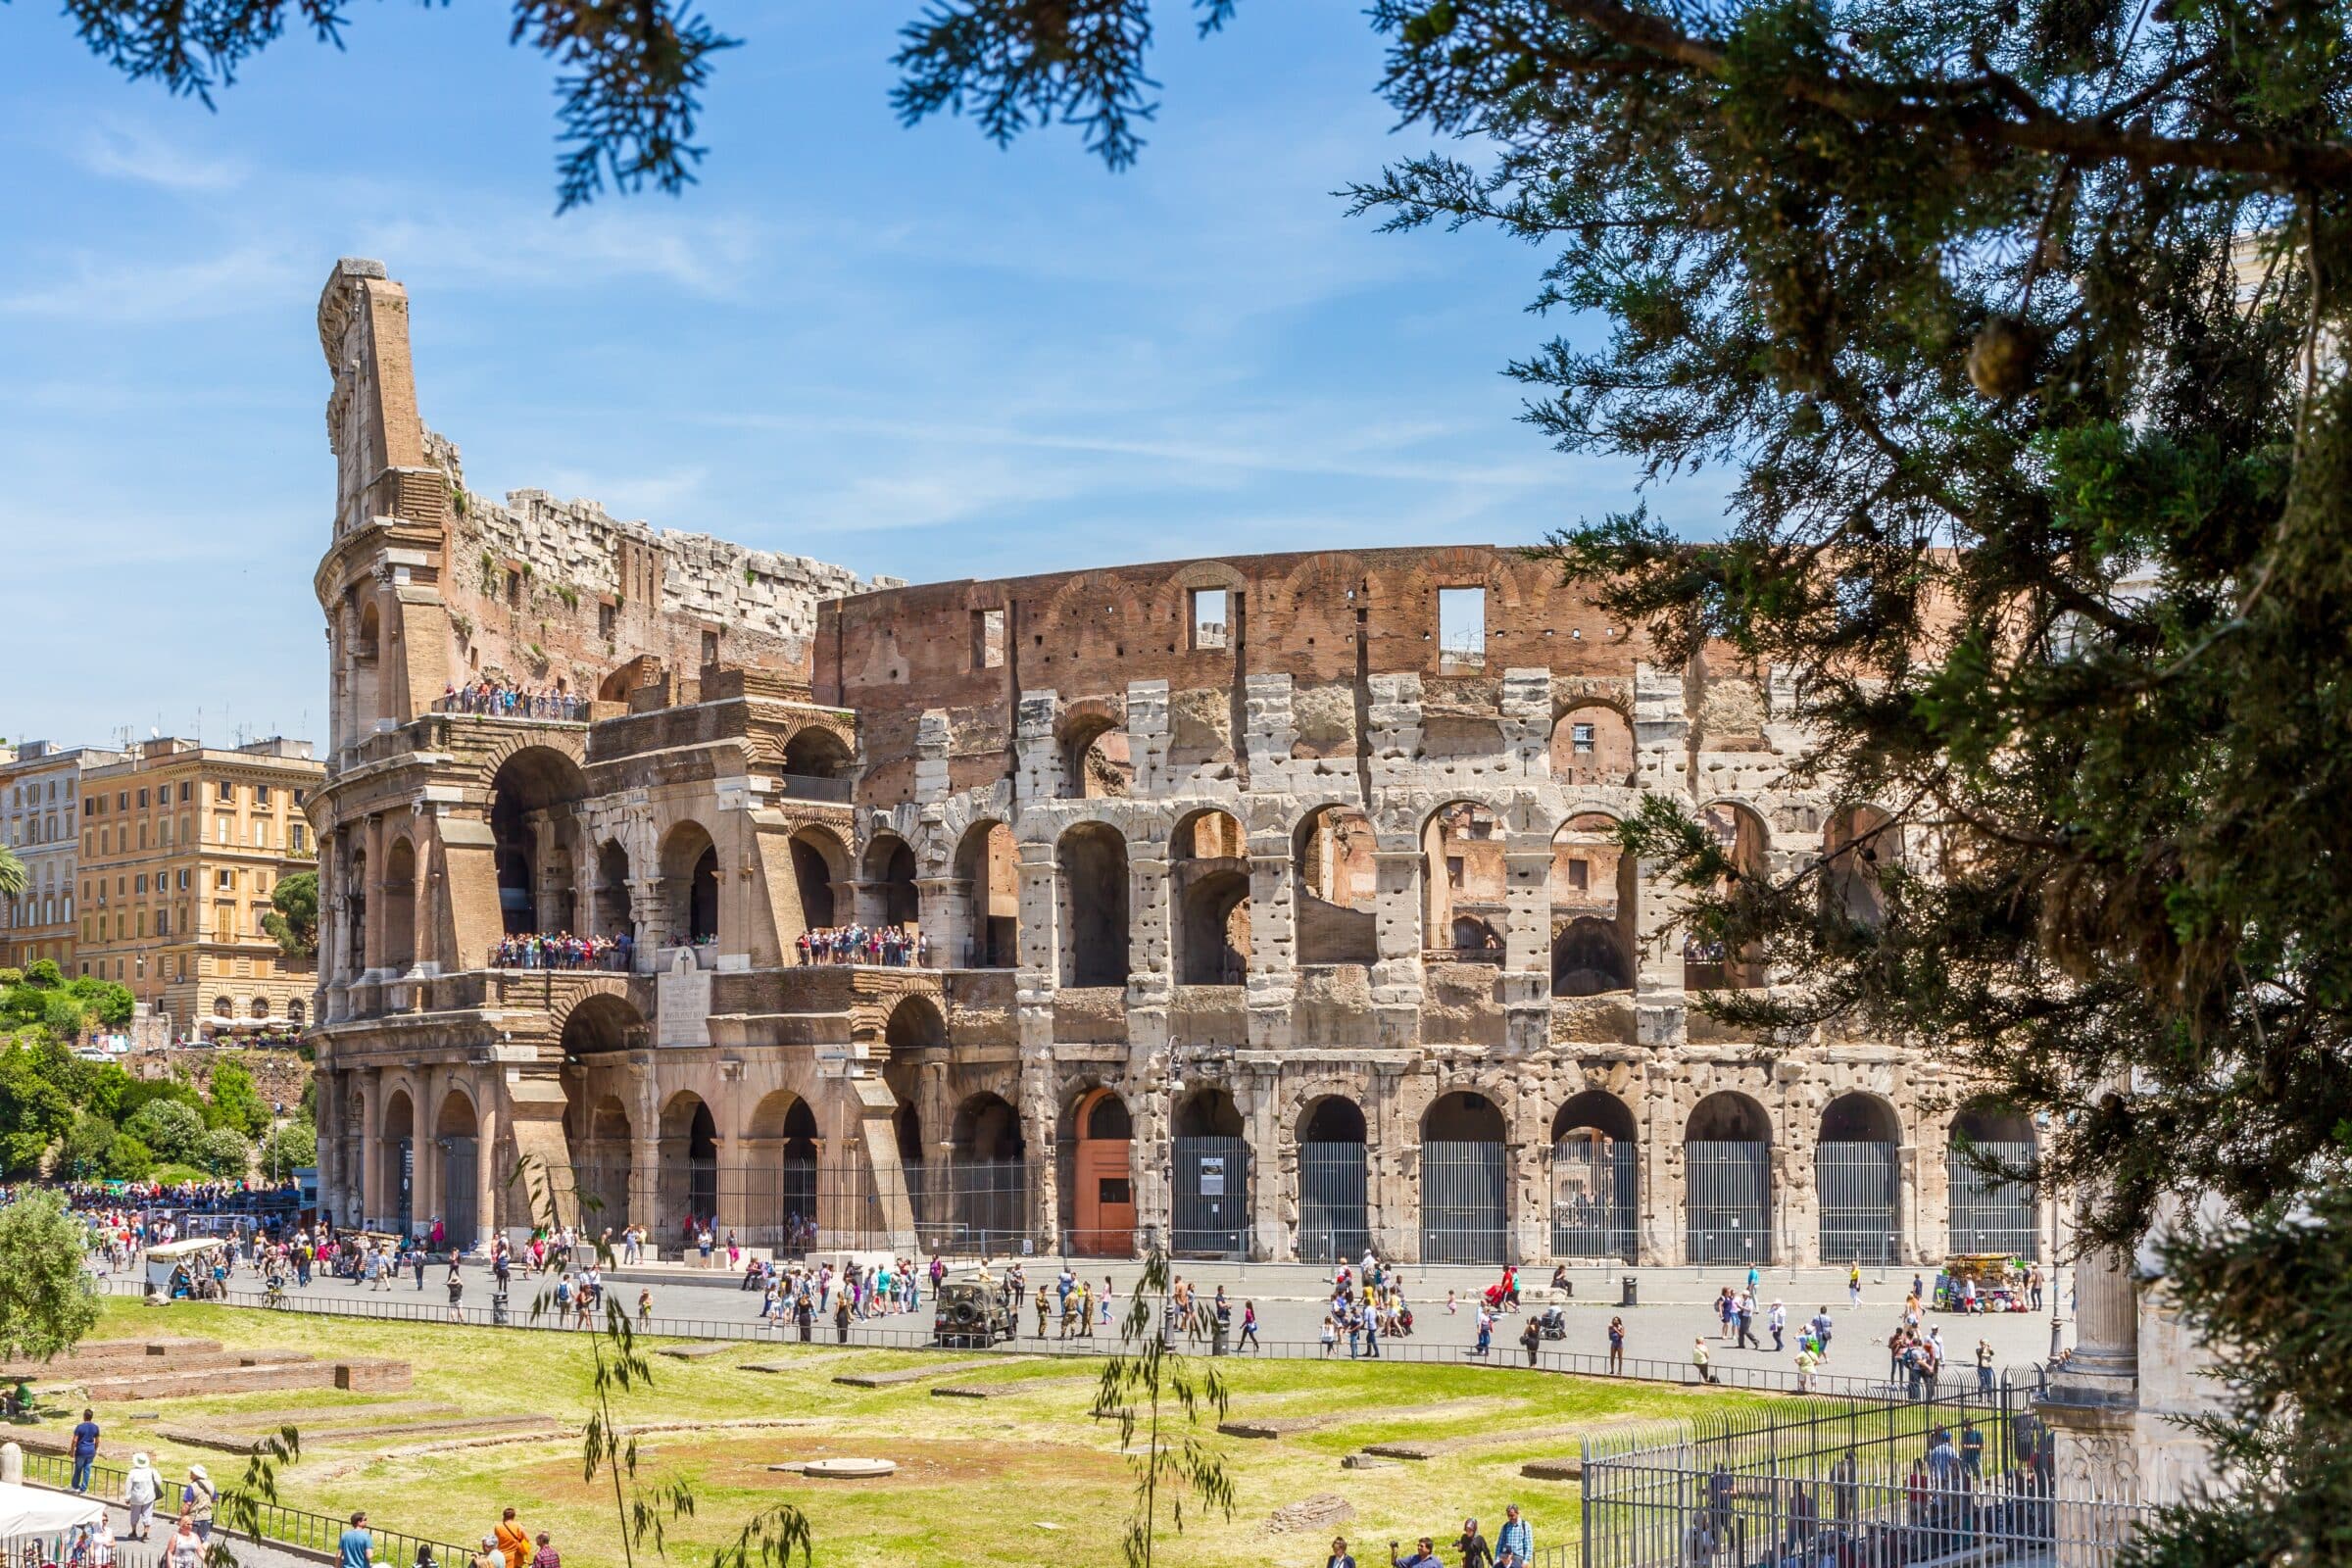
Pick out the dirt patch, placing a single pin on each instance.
(920, 1462)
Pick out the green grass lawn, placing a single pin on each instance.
(1018, 1480)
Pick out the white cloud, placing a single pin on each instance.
(247, 278)
(120, 150)
(648, 496)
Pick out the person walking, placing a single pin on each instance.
(1249, 1340)
(1515, 1542)
(196, 1499)
(186, 1549)
(1340, 1556)
(513, 1540)
(1616, 1346)
(1746, 1315)
(1698, 1360)
(1853, 1287)
(1777, 1322)
(489, 1556)
(546, 1557)
(142, 1488)
(417, 1262)
(85, 1449)
(1530, 1339)
(840, 1318)
(356, 1548)
(1476, 1553)
(1983, 1366)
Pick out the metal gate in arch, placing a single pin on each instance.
(1728, 1196)
(1332, 1222)
(1210, 1213)
(1464, 1189)
(1594, 1200)
(1857, 1184)
(1988, 1214)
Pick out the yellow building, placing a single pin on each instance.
(181, 846)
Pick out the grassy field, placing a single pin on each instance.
(1016, 1480)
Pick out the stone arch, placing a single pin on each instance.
(597, 1022)
(1740, 831)
(1211, 872)
(399, 892)
(781, 1155)
(1594, 892)
(983, 1194)
(1857, 1181)
(817, 751)
(613, 914)
(536, 791)
(458, 1144)
(1211, 1176)
(1593, 746)
(1091, 886)
(987, 1128)
(643, 670)
(1334, 1179)
(690, 884)
(1859, 843)
(1727, 1178)
(1337, 885)
(688, 1183)
(914, 1024)
(603, 1156)
(1098, 759)
(821, 862)
(1990, 1209)
(1465, 1180)
(890, 881)
(399, 1145)
(1464, 881)
(985, 910)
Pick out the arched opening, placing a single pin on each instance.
(1861, 843)
(1463, 885)
(1092, 860)
(1334, 1210)
(815, 752)
(914, 1024)
(397, 1172)
(797, 1161)
(1465, 1181)
(1727, 1173)
(295, 1014)
(399, 904)
(1855, 1177)
(1102, 1178)
(890, 871)
(1211, 894)
(1739, 833)
(815, 864)
(1338, 879)
(612, 914)
(987, 1185)
(643, 670)
(355, 931)
(600, 1154)
(1594, 898)
(1592, 744)
(533, 797)
(1096, 761)
(986, 905)
(1594, 1179)
(1992, 1212)
(689, 1168)
(457, 1136)
(690, 885)
(1209, 1215)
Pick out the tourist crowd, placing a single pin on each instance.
(891, 945)
(510, 702)
(563, 951)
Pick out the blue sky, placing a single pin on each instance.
(901, 349)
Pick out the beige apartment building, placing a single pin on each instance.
(40, 798)
(180, 848)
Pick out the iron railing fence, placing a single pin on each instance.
(279, 1524)
(1988, 1214)
(1334, 1212)
(1595, 1207)
(792, 1205)
(1857, 1183)
(1465, 1192)
(1209, 1215)
(875, 1334)
(1730, 1203)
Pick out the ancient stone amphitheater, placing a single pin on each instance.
(1268, 906)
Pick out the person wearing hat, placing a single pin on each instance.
(196, 1501)
(142, 1487)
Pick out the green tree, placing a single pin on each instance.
(236, 1103)
(129, 1160)
(106, 1002)
(46, 1302)
(14, 879)
(1140, 1385)
(293, 917)
(171, 1128)
(87, 1147)
(288, 1147)
(222, 1152)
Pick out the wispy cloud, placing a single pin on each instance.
(122, 149)
(650, 496)
(89, 288)
(714, 255)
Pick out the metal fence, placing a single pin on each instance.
(1334, 1217)
(1857, 1184)
(1464, 1191)
(1595, 1203)
(959, 1207)
(1209, 1215)
(1965, 1477)
(1989, 1215)
(1730, 1203)
(279, 1525)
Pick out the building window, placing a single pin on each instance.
(221, 1006)
(261, 794)
(227, 792)
(184, 788)
(1208, 618)
(1454, 870)
(224, 878)
(514, 586)
(142, 800)
(1463, 625)
(988, 639)
(142, 882)
(294, 837)
(607, 620)
(1580, 874)
(710, 649)
(1580, 737)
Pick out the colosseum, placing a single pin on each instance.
(1259, 908)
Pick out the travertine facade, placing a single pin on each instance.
(1268, 904)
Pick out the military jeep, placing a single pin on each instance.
(968, 1315)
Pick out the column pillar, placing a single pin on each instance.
(1272, 984)
(1396, 914)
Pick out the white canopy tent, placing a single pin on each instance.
(38, 1511)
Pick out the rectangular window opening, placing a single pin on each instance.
(1463, 625)
(1208, 618)
(988, 639)
(1580, 736)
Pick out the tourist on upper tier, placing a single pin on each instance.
(511, 702)
(889, 945)
(563, 951)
